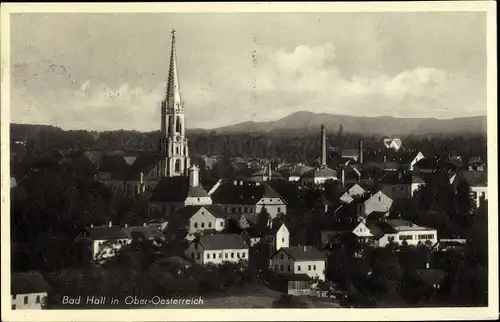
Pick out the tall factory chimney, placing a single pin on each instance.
(323, 146)
(361, 151)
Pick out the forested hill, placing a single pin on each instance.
(289, 146)
(383, 125)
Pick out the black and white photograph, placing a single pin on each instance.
(188, 157)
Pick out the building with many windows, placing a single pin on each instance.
(217, 249)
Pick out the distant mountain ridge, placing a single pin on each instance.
(382, 125)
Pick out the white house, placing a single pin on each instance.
(174, 193)
(104, 242)
(249, 198)
(398, 231)
(199, 219)
(28, 290)
(307, 260)
(378, 202)
(278, 237)
(217, 249)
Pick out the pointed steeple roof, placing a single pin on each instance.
(173, 92)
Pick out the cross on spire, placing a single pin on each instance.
(173, 32)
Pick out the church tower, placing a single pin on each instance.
(173, 142)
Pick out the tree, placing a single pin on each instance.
(466, 204)
(262, 220)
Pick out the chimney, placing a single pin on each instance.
(110, 223)
(194, 176)
(323, 145)
(360, 151)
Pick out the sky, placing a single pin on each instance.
(108, 71)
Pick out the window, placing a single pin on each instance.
(429, 236)
(281, 268)
(390, 238)
(202, 225)
(298, 268)
(279, 209)
(251, 210)
(289, 268)
(243, 254)
(208, 256)
(38, 299)
(214, 256)
(232, 255)
(408, 237)
(198, 256)
(276, 267)
(238, 255)
(13, 306)
(177, 165)
(225, 255)
(192, 255)
(314, 267)
(233, 209)
(239, 209)
(221, 223)
(220, 255)
(308, 267)
(25, 300)
(283, 239)
(209, 225)
(195, 225)
(281, 257)
(379, 198)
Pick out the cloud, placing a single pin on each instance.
(274, 84)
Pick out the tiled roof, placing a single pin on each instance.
(374, 229)
(396, 178)
(246, 194)
(295, 170)
(405, 225)
(385, 227)
(304, 253)
(106, 233)
(146, 231)
(27, 283)
(222, 241)
(475, 178)
(216, 210)
(296, 277)
(125, 167)
(177, 189)
(320, 172)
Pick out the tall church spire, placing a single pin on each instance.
(173, 94)
(173, 144)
